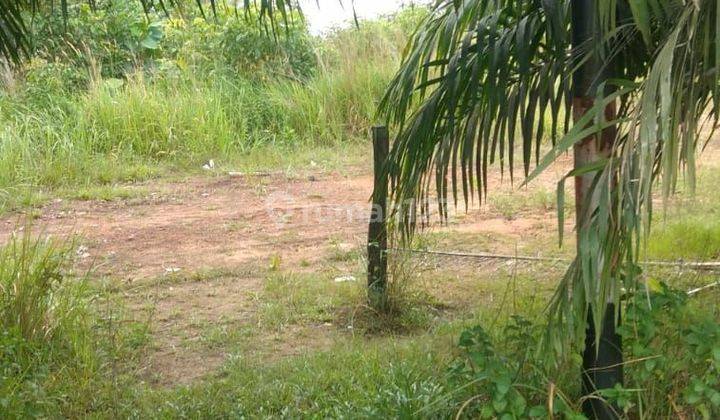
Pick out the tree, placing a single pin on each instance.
(639, 77)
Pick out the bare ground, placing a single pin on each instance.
(194, 254)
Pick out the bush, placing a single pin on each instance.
(191, 104)
(111, 40)
(116, 39)
(676, 346)
(672, 355)
(240, 45)
(507, 379)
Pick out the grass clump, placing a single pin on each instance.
(64, 347)
(357, 379)
(290, 298)
(688, 228)
(691, 238)
(48, 357)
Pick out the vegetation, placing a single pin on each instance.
(70, 348)
(46, 329)
(103, 105)
(639, 78)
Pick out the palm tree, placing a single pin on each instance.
(484, 80)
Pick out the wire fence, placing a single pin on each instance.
(704, 266)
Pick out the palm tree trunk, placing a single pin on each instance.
(602, 359)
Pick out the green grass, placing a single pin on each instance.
(46, 340)
(689, 228)
(358, 378)
(149, 126)
(511, 205)
(692, 238)
(73, 349)
(292, 298)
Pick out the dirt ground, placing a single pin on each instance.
(231, 227)
(191, 258)
(226, 221)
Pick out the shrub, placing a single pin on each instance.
(199, 95)
(507, 379)
(672, 356)
(241, 45)
(115, 39)
(112, 38)
(675, 344)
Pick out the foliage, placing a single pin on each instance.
(512, 382)
(672, 348)
(675, 360)
(112, 38)
(241, 45)
(115, 39)
(658, 135)
(16, 17)
(477, 73)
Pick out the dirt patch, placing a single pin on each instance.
(205, 223)
(232, 228)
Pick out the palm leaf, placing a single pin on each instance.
(657, 141)
(479, 77)
(13, 42)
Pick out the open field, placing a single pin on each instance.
(187, 254)
(218, 282)
(184, 208)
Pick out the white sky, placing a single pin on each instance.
(331, 14)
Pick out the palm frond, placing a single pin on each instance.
(479, 77)
(659, 137)
(13, 40)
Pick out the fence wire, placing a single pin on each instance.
(705, 266)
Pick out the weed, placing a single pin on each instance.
(290, 298)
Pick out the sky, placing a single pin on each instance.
(331, 14)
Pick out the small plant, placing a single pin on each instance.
(508, 383)
(407, 307)
(676, 345)
(61, 341)
(30, 275)
(672, 354)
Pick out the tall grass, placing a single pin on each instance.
(46, 347)
(338, 104)
(130, 129)
(689, 228)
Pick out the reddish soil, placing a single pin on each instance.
(229, 221)
(237, 226)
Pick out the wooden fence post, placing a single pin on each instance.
(377, 231)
